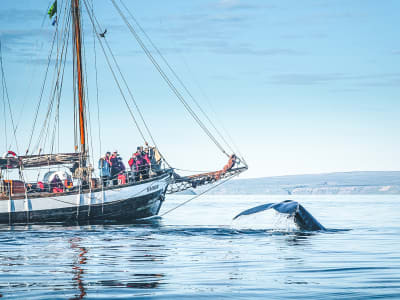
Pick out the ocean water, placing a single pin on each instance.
(197, 252)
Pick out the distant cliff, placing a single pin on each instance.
(371, 182)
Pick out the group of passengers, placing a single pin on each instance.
(55, 185)
(143, 162)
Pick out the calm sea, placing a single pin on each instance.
(196, 252)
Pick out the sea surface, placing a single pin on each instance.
(197, 252)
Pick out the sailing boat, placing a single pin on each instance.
(69, 191)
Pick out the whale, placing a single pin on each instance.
(302, 218)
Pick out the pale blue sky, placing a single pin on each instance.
(301, 86)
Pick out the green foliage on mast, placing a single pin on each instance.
(52, 10)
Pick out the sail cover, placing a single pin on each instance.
(34, 161)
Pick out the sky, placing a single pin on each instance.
(299, 86)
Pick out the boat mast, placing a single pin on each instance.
(79, 75)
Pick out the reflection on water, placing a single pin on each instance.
(77, 266)
(73, 261)
(197, 254)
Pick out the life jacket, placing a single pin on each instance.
(10, 154)
(131, 162)
(121, 179)
(146, 158)
(57, 190)
(68, 184)
(140, 161)
(40, 185)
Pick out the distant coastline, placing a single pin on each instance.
(356, 183)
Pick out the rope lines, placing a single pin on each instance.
(177, 77)
(97, 84)
(127, 87)
(198, 195)
(5, 92)
(168, 81)
(55, 95)
(41, 92)
(4, 104)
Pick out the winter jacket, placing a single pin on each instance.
(104, 167)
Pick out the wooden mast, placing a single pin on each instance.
(79, 75)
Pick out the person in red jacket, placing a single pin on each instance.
(132, 164)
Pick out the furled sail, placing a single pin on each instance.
(34, 161)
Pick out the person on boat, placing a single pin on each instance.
(138, 163)
(142, 163)
(114, 166)
(117, 166)
(146, 155)
(132, 165)
(108, 156)
(147, 162)
(122, 174)
(74, 168)
(154, 158)
(34, 187)
(114, 163)
(105, 169)
(56, 185)
(122, 178)
(30, 187)
(132, 162)
(121, 164)
(40, 186)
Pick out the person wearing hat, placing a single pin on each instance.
(114, 167)
(139, 162)
(132, 164)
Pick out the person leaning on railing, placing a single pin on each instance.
(105, 168)
(133, 165)
(117, 166)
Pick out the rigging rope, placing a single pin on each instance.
(44, 133)
(168, 81)
(197, 196)
(130, 92)
(59, 83)
(232, 146)
(42, 90)
(8, 98)
(4, 107)
(177, 77)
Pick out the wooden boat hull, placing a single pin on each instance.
(125, 203)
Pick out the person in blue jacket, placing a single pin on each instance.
(105, 169)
